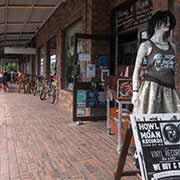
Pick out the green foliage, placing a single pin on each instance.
(10, 67)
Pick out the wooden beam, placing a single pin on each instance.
(17, 33)
(15, 50)
(28, 6)
(9, 40)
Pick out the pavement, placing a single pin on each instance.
(39, 141)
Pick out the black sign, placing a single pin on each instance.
(133, 14)
(157, 138)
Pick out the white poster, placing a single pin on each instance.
(84, 57)
(91, 70)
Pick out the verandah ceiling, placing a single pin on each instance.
(21, 19)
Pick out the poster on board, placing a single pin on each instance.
(103, 61)
(91, 70)
(81, 103)
(84, 57)
(157, 139)
(104, 74)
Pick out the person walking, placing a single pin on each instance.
(20, 81)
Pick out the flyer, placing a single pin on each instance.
(84, 57)
(91, 70)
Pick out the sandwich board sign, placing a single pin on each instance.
(157, 140)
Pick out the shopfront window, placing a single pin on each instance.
(129, 19)
(69, 53)
(171, 5)
(52, 55)
(42, 57)
(126, 50)
(53, 64)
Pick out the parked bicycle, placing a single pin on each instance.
(38, 85)
(49, 91)
(29, 83)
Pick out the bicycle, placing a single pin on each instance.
(49, 91)
(38, 85)
(29, 83)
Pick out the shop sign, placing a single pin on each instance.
(157, 139)
(133, 14)
(84, 57)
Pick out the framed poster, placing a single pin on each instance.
(143, 36)
(103, 61)
(124, 88)
(104, 74)
(157, 139)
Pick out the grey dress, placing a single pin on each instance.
(157, 92)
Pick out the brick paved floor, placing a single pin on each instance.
(38, 141)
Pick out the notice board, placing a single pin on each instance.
(157, 139)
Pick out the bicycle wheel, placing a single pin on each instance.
(35, 90)
(52, 96)
(42, 95)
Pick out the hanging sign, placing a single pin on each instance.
(157, 139)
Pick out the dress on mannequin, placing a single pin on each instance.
(156, 93)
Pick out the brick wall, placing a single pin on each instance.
(65, 15)
(115, 3)
(101, 17)
(160, 4)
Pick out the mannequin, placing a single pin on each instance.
(156, 93)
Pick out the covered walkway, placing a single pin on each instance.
(38, 141)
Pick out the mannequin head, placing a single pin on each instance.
(161, 20)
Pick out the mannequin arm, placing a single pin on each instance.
(142, 51)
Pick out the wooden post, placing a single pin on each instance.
(123, 155)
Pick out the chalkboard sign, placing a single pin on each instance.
(157, 139)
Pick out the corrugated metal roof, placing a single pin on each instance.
(21, 19)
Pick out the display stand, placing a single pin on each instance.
(122, 158)
(88, 87)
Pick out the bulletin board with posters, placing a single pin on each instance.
(157, 139)
(89, 99)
